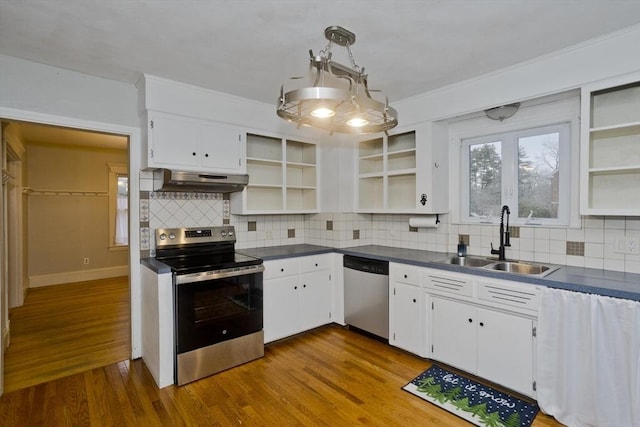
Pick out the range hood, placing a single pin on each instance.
(199, 182)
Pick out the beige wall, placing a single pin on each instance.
(65, 229)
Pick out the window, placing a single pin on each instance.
(118, 207)
(528, 170)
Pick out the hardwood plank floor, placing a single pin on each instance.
(330, 376)
(67, 329)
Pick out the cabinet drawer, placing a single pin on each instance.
(280, 268)
(405, 274)
(510, 294)
(449, 284)
(309, 264)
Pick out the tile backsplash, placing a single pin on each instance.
(590, 246)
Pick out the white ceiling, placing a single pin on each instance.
(249, 47)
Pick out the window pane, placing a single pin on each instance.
(539, 175)
(485, 179)
(122, 212)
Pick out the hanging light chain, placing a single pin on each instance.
(355, 66)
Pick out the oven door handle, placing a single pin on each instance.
(213, 275)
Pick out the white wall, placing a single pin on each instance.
(43, 89)
(608, 56)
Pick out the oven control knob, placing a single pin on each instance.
(172, 236)
(230, 233)
(224, 332)
(163, 236)
(223, 233)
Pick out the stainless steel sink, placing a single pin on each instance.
(530, 269)
(516, 267)
(465, 261)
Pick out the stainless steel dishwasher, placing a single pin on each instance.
(366, 294)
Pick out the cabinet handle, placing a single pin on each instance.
(304, 286)
(481, 323)
(470, 320)
(414, 300)
(295, 287)
(316, 264)
(282, 269)
(206, 154)
(405, 276)
(193, 154)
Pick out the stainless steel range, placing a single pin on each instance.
(217, 297)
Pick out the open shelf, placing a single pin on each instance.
(282, 177)
(611, 144)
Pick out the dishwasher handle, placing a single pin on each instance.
(367, 265)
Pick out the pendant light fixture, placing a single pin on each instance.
(339, 100)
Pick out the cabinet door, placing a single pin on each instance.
(174, 142)
(505, 350)
(221, 148)
(280, 305)
(315, 299)
(453, 334)
(405, 331)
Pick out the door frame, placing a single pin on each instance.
(134, 135)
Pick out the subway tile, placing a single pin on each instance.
(558, 234)
(594, 235)
(594, 250)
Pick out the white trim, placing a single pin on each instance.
(134, 135)
(77, 276)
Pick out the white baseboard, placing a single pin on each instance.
(77, 276)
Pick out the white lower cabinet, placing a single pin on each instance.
(296, 295)
(405, 329)
(491, 344)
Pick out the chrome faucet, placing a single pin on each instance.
(504, 235)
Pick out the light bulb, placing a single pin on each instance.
(357, 122)
(323, 112)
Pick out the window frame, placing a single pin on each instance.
(510, 178)
(554, 110)
(116, 170)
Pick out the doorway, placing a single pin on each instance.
(60, 200)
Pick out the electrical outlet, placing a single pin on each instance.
(86, 261)
(628, 245)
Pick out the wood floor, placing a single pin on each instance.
(330, 376)
(67, 329)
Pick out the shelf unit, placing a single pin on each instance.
(282, 177)
(387, 172)
(395, 170)
(610, 138)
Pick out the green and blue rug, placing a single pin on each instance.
(477, 403)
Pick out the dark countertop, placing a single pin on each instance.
(589, 280)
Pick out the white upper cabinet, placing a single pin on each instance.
(177, 142)
(283, 177)
(404, 172)
(610, 147)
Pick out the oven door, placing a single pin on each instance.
(214, 307)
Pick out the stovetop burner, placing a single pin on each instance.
(190, 250)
